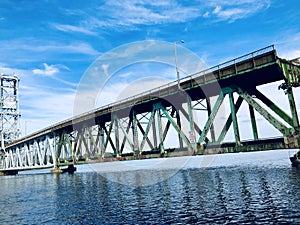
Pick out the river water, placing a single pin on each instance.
(243, 188)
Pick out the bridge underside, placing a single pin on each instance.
(195, 119)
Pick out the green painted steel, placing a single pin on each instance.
(253, 123)
(291, 72)
(240, 76)
(211, 117)
(192, 135)
(117, 137)
(176, 127)
(160, 133)
(124, 133)
(212, 129)
(136, 149)
(274, 107)
(108, 139)
(277, 124)
(234, 119)
(293, 108)
(229, 121)
(151, 119)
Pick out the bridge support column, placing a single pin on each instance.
(179, 125)
(293, 107)
(234, 120)
(192, 135)
(212, 128)
(136, 149)
(253, 123)
(160, 132)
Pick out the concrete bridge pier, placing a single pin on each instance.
(70, 169)
(8, 172)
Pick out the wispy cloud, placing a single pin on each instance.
(33, 45)
(234, 10)
(130, 14)
(50, 107)
(71, 28)
(48, 70)
(42, 105)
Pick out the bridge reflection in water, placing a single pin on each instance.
(138, 127)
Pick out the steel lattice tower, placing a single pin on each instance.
(9, 109)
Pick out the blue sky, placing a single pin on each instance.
(50, 44)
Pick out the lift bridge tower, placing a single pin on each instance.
(9, 109)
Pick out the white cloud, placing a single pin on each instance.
(49, 70)
(41, 105)
(48, 108)
(149, 12)
(206, 15)
(70, 28)
(129, 14)
(34, 45)
(233, 10)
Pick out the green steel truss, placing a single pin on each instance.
(173, 122)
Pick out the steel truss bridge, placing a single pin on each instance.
(143, 126)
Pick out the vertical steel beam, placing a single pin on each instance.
(234, 119)
(102, 140)
(168, 125)
(293, 107)
(135, 133)
(69, 142)
(192, 135)
(154, 133)
(93, 141)
(212, 128)
(117, 137)
(160, 133)
(179, 125)
(84, 140)
(253, 123)
(60, 144)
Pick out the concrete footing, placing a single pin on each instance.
(70, 169)
(8, 172)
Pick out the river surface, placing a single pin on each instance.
(242, 188)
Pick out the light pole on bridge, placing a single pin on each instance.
(176, 62)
